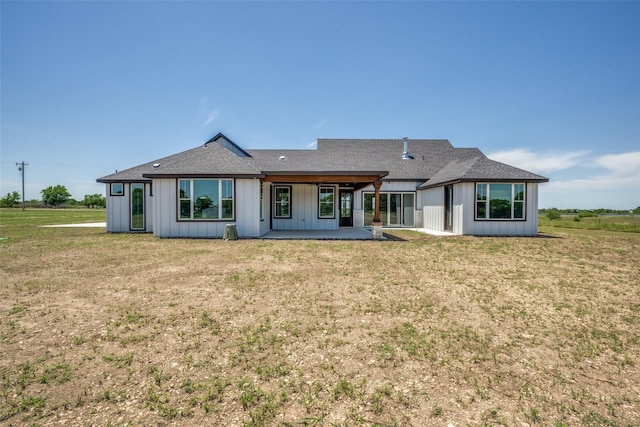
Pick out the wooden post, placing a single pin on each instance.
(376, 215)
(376, 224)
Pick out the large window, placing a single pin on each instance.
(500, 201)
(326, 202)
(205, 199)
(281, 201)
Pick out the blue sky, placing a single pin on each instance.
(552, 87)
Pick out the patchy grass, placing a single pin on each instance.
(99, 329)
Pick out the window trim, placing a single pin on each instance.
(333, 204)
(487, 201)
(220, 200)
(275, 202)
(114, 194)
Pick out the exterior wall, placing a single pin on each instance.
(166, 224)
(118, 209)
(265, 222)
(387, 187)
(433, 208)
(304, 210)
(464, 213)
(528, 227)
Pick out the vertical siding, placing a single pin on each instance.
(166, 223)
(304, 211)
(433, 208)
(265, 224)
(119, 213)
(529, 227)
(247, 201)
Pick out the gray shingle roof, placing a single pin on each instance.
(210, 159)
(480, 169)
(434, 162)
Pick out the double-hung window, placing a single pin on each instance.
(282, 201)
(326, 204)
(205, 199)
(500, 201)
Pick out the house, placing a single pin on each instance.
(415, 183)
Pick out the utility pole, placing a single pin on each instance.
(21, 166)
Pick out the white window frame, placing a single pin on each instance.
(515, 186)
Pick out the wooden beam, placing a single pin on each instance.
(322, 179)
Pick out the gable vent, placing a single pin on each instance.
(405, 152)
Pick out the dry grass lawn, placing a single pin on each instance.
(114, 330)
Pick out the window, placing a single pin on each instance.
(282, 201)
(500, 201)
(137, 207)
(326, 197)
(205, 199)
(117, 189)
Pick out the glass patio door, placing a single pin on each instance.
(396, 209)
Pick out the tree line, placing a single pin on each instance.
(54, 196)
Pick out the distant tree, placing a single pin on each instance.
(10, 200)
(94, 201)
(553, 214)
(636, 211)
(55, 195)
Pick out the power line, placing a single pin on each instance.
(21, 166)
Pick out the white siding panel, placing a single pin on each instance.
(117, 212)
(166, 207)
(529, 227)
(265, 224)
(304, 211)
(248, 207)
(433, 208)
(459, 194)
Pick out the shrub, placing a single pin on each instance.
(553, 214)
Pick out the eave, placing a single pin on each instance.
(324, 177)
(200, 175)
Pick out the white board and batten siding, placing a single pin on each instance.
(464, 213)
(119, 210)
(304, 210)
(247, 195)
(432, 200)
(528, 227)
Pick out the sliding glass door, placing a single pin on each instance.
(396, 209)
